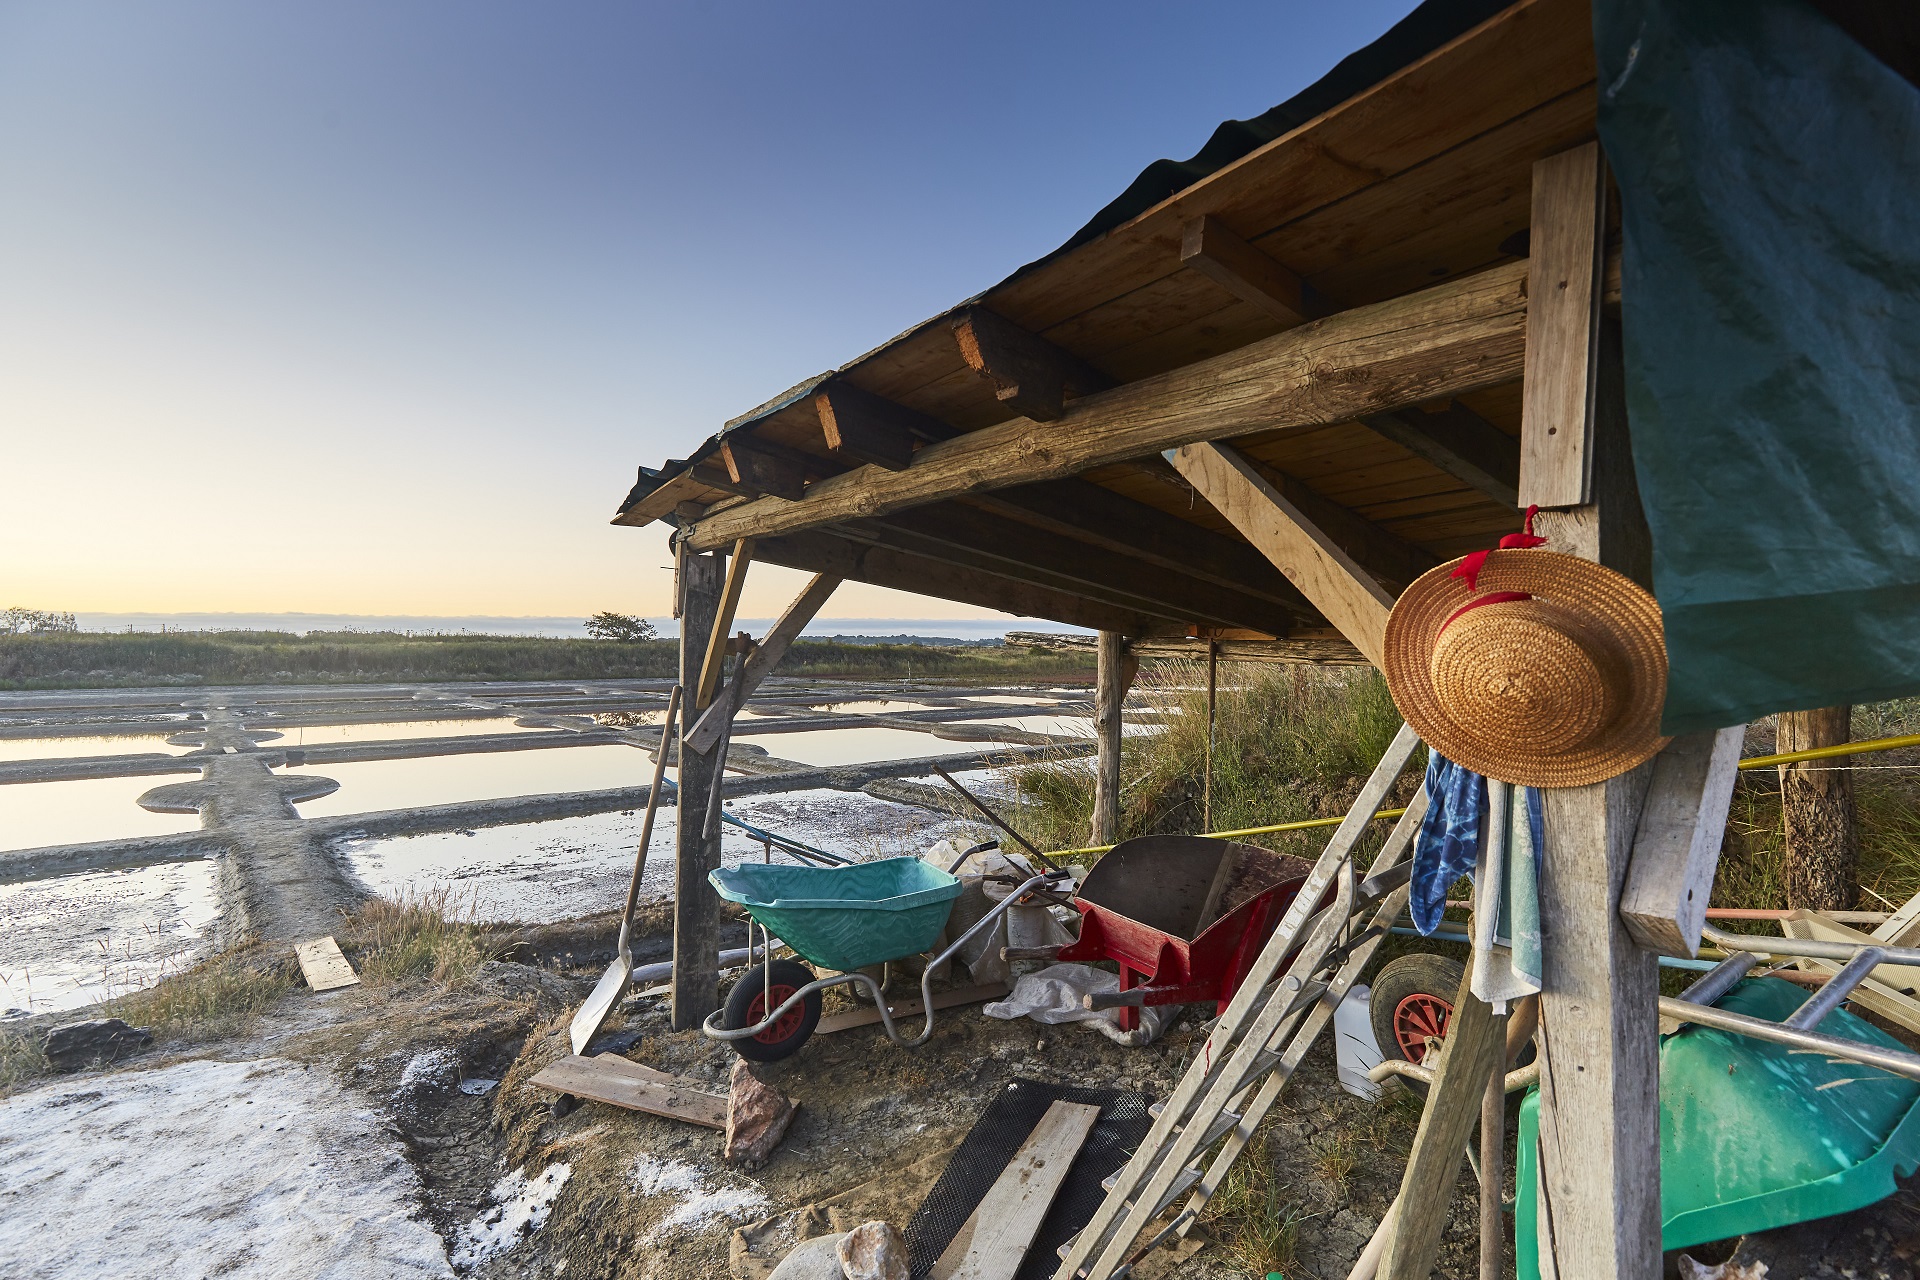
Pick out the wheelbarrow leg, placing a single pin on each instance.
(1129, 1014)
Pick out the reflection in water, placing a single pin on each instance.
(78, 939)
(1070, 726)
(316, 735)
(544, 871)
(871, 707)
(62, 748)
(1013, 700)
(856, 746)
(41, 813)
(370, 785)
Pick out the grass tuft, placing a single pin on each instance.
(1257, 1231)
(431, 935)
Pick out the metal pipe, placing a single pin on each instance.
(1896, 1061)
(1513, 1081)
(1493, 1175)
(1836, 989)
(1811, 948)
(1721, 979)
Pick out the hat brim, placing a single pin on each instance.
(1501, 750)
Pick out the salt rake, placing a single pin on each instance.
(613, 983)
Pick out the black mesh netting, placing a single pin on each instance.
(996, 1136)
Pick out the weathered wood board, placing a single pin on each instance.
(611, 1079)
(322, 965)
(996, 1238)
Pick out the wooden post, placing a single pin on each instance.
(696, 909)
(1599, 1033)
(1115, 674)
(1816, 800)
(1213, 699)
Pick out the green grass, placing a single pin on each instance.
(1257, 1227)
(108, 660)
(1288, 742)
(431, 936)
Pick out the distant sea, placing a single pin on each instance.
(967, 630)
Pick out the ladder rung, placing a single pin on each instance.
(1265, 1062)
(1221, 1126)
(1181, 1185)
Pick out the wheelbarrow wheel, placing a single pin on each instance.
(748, 1005)
(1411, 1008)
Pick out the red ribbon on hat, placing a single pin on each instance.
(1470, 566)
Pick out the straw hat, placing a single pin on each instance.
(1546, 671)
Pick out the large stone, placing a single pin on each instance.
(815, 1259)
(757, 1117)
(874, 1251)
(81, 1044)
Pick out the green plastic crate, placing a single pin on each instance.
(1754, 1135)
(845, 917)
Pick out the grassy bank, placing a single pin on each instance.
(88, 660)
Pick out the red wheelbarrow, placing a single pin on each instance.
(1183, 916)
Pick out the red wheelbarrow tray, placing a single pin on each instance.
(1183, 916)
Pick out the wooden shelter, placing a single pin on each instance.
(1253, 410)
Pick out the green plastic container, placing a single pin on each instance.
(845, 917)
(1755, 1135)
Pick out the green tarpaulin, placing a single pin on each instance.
(1769, 171)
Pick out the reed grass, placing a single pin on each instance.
(432, 935)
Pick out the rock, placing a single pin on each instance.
(815, 1259)
(757, 1117)
(874, 1251)
(81, 1044)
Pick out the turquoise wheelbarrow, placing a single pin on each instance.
(837, 918)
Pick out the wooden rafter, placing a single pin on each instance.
(1210, 248)
(760, 470)
(1028, 373)
(1461, 443)
(1390, 560)
(1455, 337)
(865, 428)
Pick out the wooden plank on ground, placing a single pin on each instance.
(611, 1079)
(1009, 1215)
(1563, 309)
(322, 965)
(1676, 848)
(869, 1015)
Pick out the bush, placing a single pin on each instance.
(620, 627)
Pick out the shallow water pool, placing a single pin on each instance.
(33, 814)
(827, 747)
(316, 735)
(370, 785)
(63, 748)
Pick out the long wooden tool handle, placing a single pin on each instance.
(653, 805)
(997, 821)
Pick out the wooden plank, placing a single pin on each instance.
(1350, 599)
(1567, 248)
(322, 965)
(1676, 848)
(862, 427)
(1029, 374)
(716, 654)
(1326, 649)
(827, 552)
(1447, 340)
(696, 911)
(1391, 560)
(868, 1015)
(705, 735)
(1475, 1045)
(1461, 443)
(1113, 675)
(759, 470)
(1902, 928)
(1210, 248)
(611, 1079)
(1012, 1210)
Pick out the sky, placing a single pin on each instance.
(374, 307)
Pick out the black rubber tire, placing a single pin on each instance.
(1435, 978)
(788, 977)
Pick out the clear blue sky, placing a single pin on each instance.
(393, 296)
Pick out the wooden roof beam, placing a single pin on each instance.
(760, 470)
(865, 428)
(1458, 336)
(973, 537)
(1029, 374)
(1390, 560)
(1459, 442)
(823, 552)
(1246, 272)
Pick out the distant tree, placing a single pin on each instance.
(16, 621)
(621, 627)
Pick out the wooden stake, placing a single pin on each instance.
(1213, 693)
(696, 908)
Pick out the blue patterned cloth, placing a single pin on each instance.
(1450, 837)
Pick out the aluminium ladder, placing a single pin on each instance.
(1315, 955)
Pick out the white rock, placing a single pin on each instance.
(815, 1259)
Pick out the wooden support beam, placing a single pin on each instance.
(971, 537)
(760, 663)
(1338, 587)
(1676, 848)
(1245, 271)
(760, 470)
(1028, 373)
(862, 427)
(1456, 337)
(1567, 243)
(1113, 677)
(716, 655)
(1327, 648)
(696, 909)
(1459, 442)
(1475, 1046)
(1390, 560)
(824, 552)
(716, 476)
